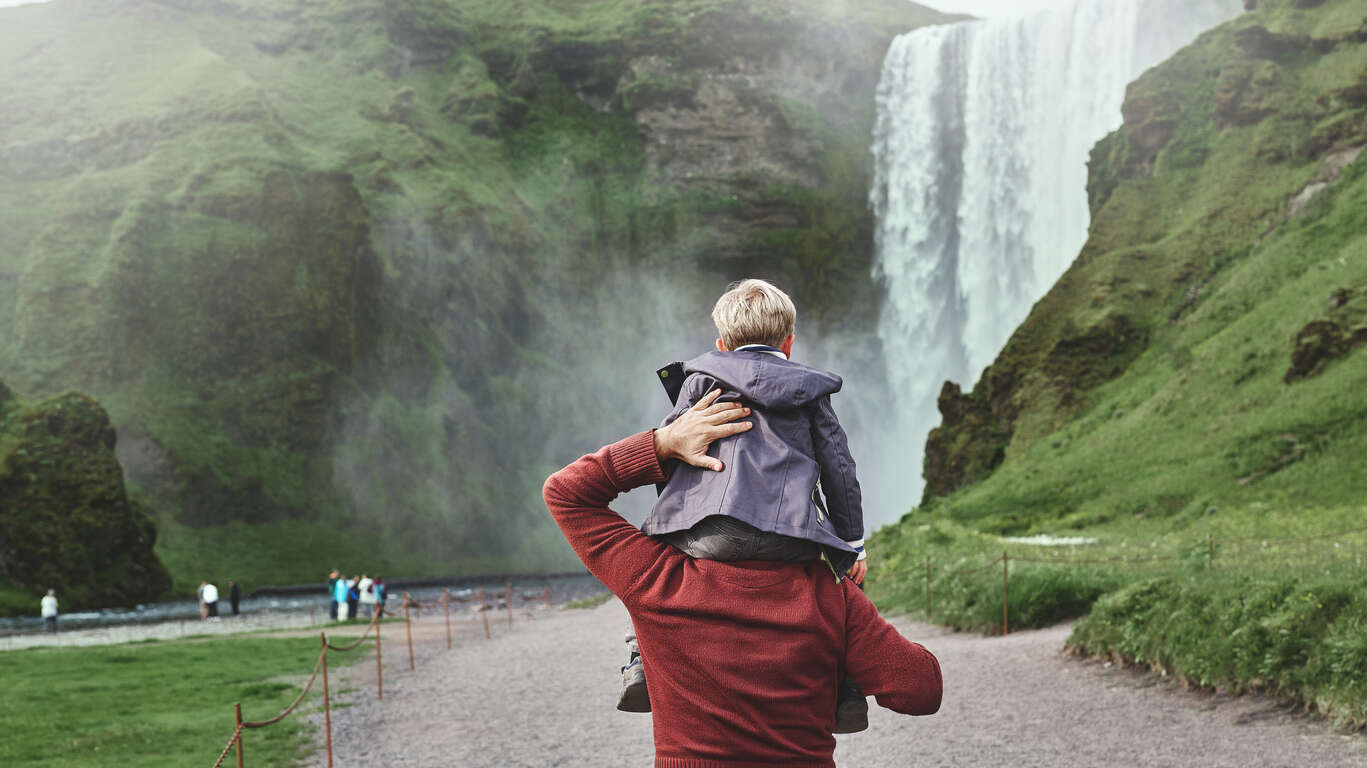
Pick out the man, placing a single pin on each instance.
(332, 594)
(743, 659)
(234, 595)
(49, 610)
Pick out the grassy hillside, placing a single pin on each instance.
(327, 265)
(1197, 372)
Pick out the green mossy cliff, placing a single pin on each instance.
(1204, 348)
(346, 274)
(66, 522)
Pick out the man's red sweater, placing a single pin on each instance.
(743, 660)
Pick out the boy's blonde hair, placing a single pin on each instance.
(754, 312)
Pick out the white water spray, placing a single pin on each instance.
(981, 146)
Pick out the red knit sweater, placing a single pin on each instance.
(742, 659)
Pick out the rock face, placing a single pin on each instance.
(1239, 154)
(65, 521)
(332, 272)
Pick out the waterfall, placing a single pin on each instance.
(980, 149)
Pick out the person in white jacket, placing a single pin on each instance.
(50, 611)
(210, 596)
(366, 586)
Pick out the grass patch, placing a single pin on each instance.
(155, 704)
(589, 602)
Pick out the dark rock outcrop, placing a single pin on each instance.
(66, 522)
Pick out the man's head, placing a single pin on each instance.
(52, 593)
(754, 312)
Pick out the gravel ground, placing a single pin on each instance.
(542, 694)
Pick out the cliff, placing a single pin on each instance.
(348, 275)
(1204, 347)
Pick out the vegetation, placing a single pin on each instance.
(1194, 373)
(324, 265)
(589, 602)
(107, 705)
(65, 521)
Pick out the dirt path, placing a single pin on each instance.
(542, 694)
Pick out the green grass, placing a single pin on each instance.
(156, 703)
(589, 602)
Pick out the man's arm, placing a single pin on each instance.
(578, 495)
(838, 482)
(903, 676)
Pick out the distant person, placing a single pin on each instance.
(339, 596)
(49, 611)
(744, 658)
(380, 593)
(353, 599)
(234, 595)
(769, 505)
(367, 589)
(211, 600)
(332, 594)
(203, 606)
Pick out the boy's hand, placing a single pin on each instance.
(858, 571)
(687, 437)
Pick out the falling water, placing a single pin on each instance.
(980, 185)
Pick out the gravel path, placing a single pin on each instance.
(542, 694)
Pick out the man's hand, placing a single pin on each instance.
(858, 571)
(687, 437)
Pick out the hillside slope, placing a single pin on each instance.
(347, 275)
(1204, 350)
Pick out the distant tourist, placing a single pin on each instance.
(332, 594)
(50, 611)
(203, 606)
(353, 599)
(379, 592)
(210, 595)
(339, 590)
(367, 589)
(234, 595)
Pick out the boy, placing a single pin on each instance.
(765, 505)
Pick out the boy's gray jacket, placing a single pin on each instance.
(771, 471)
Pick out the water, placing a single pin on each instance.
(180, 618)
(980, 148)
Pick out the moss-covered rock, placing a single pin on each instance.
(66, 522)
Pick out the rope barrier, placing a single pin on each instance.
(360, 639)
(237, 734)
(1238, 557)
(409, 604)
(263, 723)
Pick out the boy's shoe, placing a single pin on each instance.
(852, 712)
(634, 697)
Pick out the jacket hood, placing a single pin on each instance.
(765, 379)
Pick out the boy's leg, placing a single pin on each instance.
(635, 697)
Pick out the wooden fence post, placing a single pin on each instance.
(508, 599)
(1006, 626)
(408, 623)
(237, 714)
(928, 588)
(484, 614)
(327, 704)
(446, 598)
(379, 669)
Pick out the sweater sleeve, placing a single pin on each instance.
(903, 676)
(578, 497)
(838, 483)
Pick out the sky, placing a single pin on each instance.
(988, 9)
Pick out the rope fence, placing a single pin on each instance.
(1231, 552)
(411, 610)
